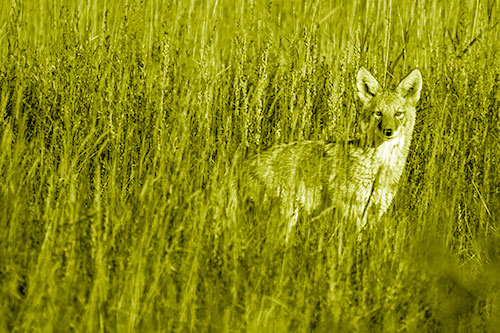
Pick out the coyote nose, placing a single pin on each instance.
(387, 132)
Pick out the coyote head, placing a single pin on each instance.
(387, 114)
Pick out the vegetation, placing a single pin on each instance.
(120, 124)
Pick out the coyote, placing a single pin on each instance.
(357, 178)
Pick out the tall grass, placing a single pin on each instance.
(120, 123)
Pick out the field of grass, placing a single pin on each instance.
(120, 123)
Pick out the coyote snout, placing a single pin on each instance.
(358, 178)
(388, 125)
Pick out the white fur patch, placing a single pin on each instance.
(387, 152)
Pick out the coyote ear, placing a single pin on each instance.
(409, 88)
(367, 85)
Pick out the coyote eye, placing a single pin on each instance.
(378, 114)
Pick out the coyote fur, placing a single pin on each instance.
(357, 178)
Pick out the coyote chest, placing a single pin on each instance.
(371, 179)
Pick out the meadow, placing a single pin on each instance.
(121, 124)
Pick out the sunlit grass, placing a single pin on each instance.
(122, 122)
